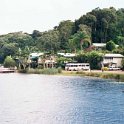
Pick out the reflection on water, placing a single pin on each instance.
(43, 99)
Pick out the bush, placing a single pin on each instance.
(49, 71)
(59, 70)
(104, 69)
(22, 70)
(9, 62)
(110, 45)
(82, 58)
(62, 60)
(94, 58)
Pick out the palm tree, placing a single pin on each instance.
(83, 38)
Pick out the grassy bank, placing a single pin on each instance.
(49, 71)
(52, 71)
(110, 75)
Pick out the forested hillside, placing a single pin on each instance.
(97, 26)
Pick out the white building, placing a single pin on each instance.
(112, 60)
(68, 55)
(100, 46)
(35, 57)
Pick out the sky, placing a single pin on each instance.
(42, 15)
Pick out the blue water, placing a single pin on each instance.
(43, 99)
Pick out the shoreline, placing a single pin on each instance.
(116, 75)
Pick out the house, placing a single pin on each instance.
(34, 55)
(50, 63)
(34, 59)
(112, 60)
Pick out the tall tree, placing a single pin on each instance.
(80, 40)
(49, 41)
(65, 29)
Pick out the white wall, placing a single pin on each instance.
(118, 61)
(112, 60)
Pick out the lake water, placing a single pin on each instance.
(43, 99)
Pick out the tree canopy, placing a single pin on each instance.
(97, 26)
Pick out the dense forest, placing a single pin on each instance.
(97, 26)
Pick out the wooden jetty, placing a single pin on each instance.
(6, 70)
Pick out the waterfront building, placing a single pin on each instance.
(112, 60)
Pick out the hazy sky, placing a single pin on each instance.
(29, 15)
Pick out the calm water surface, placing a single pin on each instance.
(43, 99)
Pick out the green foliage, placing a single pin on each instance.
(93, 58)
(12, 42)
(36, 34)
(80, 40)
(9, 49)
(110, 45)
(9, 62)
(99, 26)
(62, 60)
(106, 24)
(65, 29)
(119, 50)
(49, 41)
(59, 70)
(49, 71)
(86, 43)
(120, 40)
(82, 58)
(20, 38)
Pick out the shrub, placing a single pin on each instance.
(104, 68)
(59, 70)
(9, 62)
(22, 71)
(110, 45)
(94, 58)
(49, 71)
(62, 60)
(82, 58)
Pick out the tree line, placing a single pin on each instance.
(97, 26)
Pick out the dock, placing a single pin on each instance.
(6, 70)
